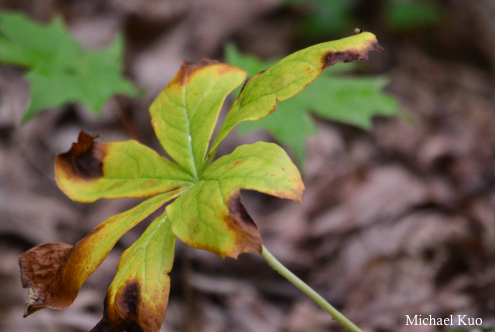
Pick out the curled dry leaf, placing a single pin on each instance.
(207, 214)
(39, 266)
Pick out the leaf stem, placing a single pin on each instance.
(277, 266)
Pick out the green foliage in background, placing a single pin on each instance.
(326, 17)
(408, 15)
(332, 17)
(351, 100)
(60, 71)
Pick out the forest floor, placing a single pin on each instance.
(397, 221)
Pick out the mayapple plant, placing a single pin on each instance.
(207, 212)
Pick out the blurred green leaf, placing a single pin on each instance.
(407, 15)
(326, 17)
(351, 100)
(60, 71)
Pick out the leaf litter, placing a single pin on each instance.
(445, 101)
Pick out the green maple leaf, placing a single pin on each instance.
(207, 212)
(60, 71)
(351, 100)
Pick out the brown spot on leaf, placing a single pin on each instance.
(332, 58)
(128, 312)
(238, 211)
(349, 55)
(235, 163)
(118, 324)
(243, 235)
(248, 237)
(40, 267)
(130, 298)
(84, 159)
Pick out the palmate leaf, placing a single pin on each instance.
(351, 100)
(60, 71)
(207, 214)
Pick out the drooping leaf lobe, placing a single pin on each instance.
(39, 266)
(138, 295)
(55, 272)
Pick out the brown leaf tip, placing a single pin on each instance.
(238, 211)
(130, 299)
(40, 268)
(105, 325)
(34, 301)
(248, 235)
(349, 55)
(187, 68)
(84, 158)
(123, 316)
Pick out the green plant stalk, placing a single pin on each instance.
(277, 266)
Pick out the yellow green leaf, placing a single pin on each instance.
(91, 170)
(261, 166)
(185, 112)
(211, 216)
(54, 272)
(288, 77)
(138, 295)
